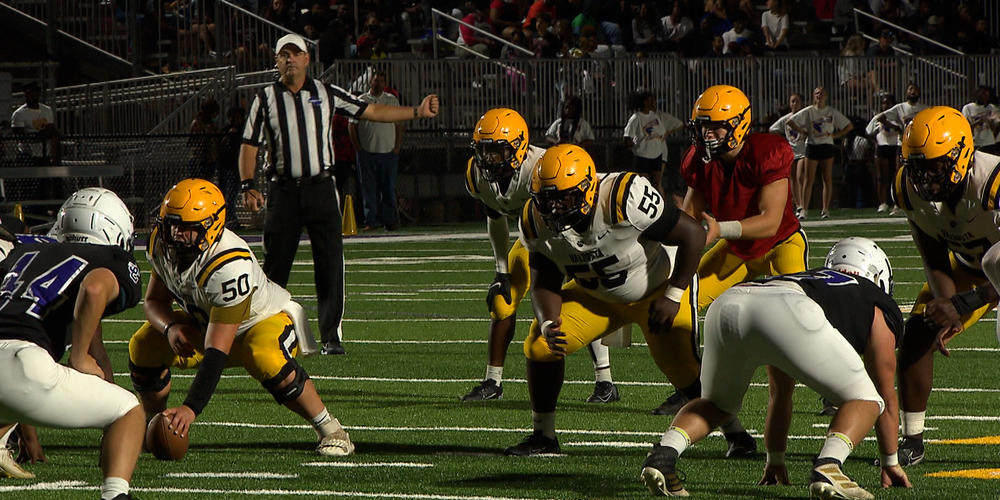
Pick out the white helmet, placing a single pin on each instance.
(861, 257)
(94, 215)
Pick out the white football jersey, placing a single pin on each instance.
(974, 226)
(224, 275)
(611, 259)
(510, 202)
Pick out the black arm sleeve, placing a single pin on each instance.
(660, 229)
(209, 372)
(543, 268)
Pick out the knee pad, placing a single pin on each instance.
(288, 392)
(148, 379)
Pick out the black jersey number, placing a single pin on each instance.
(236, 287)
(43, 290)
(603, 278)
(650, 200)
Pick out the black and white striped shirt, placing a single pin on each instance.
(297, 126)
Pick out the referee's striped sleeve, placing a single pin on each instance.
(346, 104)
(253, 130)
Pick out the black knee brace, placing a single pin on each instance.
(148, 379)
(288, 392)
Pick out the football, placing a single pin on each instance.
(162, 442)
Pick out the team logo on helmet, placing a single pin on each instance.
(499, 143)
(192, 205)
(720, 106)
(564, 186)
(936, 151)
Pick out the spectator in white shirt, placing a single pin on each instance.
(774, 25)
(676, 27)
(984, 117)
(739, 36)
(822, 125)
(36, 123)
(570, 127)
(798, 143)
(645, 134)
(886, 153)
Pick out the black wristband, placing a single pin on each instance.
(203, 386)
(247, 185)
(968, 301)
(166, 329)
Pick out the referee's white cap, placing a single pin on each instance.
(292, 39)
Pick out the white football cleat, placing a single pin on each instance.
(829, 481)
(335, 444)
(10, 468)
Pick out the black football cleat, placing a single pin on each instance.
(604, 392)
(535, 444)
(741, 445)
(672, 405)
(486, 390)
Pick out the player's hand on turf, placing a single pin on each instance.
(253, 200)
(554, 337)
(178, 339)
(180, 418)
(661, 315)
(944, 335)
(775, 475)
(895, 476)
(429, 107)
(711, 228)
(30, 447)
(501, 287)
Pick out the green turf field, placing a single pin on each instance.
(415, 334)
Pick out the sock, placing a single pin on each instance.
(676, 438)
(494, 373)
(324, 424)
(600, 355)
(544, 423)
(913, 422)
(733, 426)
(112, 487)
(837, 446)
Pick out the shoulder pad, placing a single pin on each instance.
(618, 201)
(991, 190)
(470, 178)
(528, 227)
(899, 191)
(219, 261)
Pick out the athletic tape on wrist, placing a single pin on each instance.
(674, 294)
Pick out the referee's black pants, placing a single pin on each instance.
(315, 205)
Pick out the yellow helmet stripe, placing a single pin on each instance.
(899, 191)
(619, 198)
(528, 222)
(470, 177)
(219, 261)
(990, 194)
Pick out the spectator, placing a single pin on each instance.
(718, 47)
(302, 192)
(570, 127)
(884, 46)
(886, 153)
(774, 26)
(676, 26)
(229, 162)
(822, 125)
(851, 71)
(546, 43)
(469, 38)
(984, 117)
(739, 36)
(514, 35)
(647, 35)
(378, 145)
(36, 123)
(203, 141)
(798, 143)
(980, 40)
(505, 14)
(717, 17)
(537, 8)
(645, 135)
(280, 12)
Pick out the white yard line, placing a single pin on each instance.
(413, 465)
(236, 475)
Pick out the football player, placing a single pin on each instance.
(742, 180)
(499, 175)
(605, 236)
(54, 295)
(950, 195)
(231, 315)
(810, 326)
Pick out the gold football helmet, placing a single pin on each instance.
(936, 151)
(564, 186)
(499, 143)
(720, 106)
(192, 204)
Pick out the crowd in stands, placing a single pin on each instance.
(563, 28)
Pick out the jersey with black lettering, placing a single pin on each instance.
(219, 282)
(511, 201)
(848, 301)
(974, 225)
(41, 282)
(611, 259)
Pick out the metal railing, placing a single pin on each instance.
(245, 40)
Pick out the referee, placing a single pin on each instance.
(293, 117)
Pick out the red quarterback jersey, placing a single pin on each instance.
(733, 194)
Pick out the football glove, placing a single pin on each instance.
(500, 286)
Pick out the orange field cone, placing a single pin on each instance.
(350, 226)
